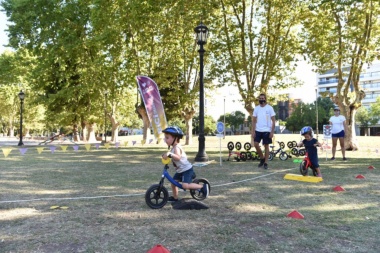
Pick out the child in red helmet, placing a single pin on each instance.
(184, 169)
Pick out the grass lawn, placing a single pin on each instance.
(103, 191)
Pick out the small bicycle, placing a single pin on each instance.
(239, 155)
(283, 155)
(305, 165)
(157, 195)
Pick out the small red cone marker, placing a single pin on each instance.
(158, 249)
(371, 167)
(296, 215)
(338, 188)
(360, 176)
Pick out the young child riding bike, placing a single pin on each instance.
(184, 169)
(311, 145)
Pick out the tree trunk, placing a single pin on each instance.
(188, 114)
(91, 132)
(27, 132)
(350, 141)
(144, 116)
(115, 127)
(11, 131)
(76, 137)
(250, 112)
(84, 132)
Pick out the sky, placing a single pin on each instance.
(227, 98)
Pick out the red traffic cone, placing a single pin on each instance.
(371, 167)
(158, 249)
(296, 215)
(338, 188)
(360, 176)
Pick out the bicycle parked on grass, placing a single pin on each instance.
(157, 195)
(283, 155)
(252, 155)
(239, 155)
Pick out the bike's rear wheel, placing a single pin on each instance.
(270, 157)
(156, 196)
(198, 195)
(303, 168)
(243, 156)
(230, 146)
(238, 145)
(283, 156)
(254, 155)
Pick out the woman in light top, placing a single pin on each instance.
(338, 129)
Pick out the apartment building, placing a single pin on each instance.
(369, 81)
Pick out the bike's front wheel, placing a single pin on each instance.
(156, 196)
(198, 195)
(303, 168)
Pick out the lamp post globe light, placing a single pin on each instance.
(201, 32)
(21, 96)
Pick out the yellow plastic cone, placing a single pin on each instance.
(126, 143)
(64, 148)
(142, 142)
(88, 146)
(39, 150)
(107, 145)
(6, 151)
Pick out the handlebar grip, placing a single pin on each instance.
(165, 161)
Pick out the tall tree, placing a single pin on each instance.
(256, 46)
(343, 35)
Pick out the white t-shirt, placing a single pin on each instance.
(337, 123)
(263, 117)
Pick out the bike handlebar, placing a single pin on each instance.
(165, 161)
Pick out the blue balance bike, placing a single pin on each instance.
(157, 195)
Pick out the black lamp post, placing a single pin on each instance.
(21, 95)
(105, 116)
(201, 32)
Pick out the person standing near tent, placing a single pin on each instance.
(338, 130)
(263, 128)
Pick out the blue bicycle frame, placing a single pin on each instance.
(165, 174)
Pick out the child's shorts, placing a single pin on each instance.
(185, 177)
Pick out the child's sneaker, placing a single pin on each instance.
(205, 190)
(172, 199)
(319, 175)
(332, 158)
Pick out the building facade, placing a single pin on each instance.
(369, 81)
